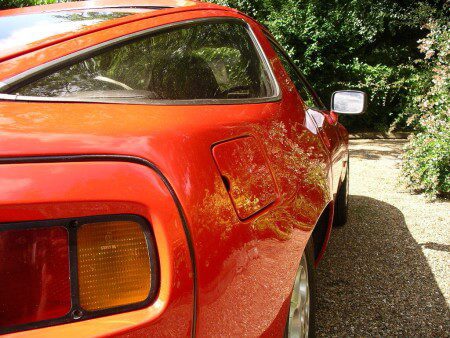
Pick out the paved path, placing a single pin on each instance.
(387, 272)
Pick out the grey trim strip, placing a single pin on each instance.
(145, 9)
(8, 97)
(35, 72)
(264, 59)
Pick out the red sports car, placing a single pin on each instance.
(165, 170)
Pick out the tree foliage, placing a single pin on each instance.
(365, 44)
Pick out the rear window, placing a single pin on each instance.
(202, 61)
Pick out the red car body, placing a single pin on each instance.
(232, 192)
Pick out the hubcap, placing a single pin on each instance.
(300, 303)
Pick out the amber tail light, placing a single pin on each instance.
(60, 271)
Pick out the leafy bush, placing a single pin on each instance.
(364, 44)
(426, 162)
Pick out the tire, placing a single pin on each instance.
(341, 205)
(294, 328)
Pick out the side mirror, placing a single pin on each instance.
(349, 102)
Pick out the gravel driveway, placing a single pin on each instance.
(386, 273)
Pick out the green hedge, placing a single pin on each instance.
(373, 45)
(365, 44)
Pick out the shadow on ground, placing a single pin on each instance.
(375, 280)
(389, 149)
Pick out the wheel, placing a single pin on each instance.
(301, 319)
(341, 205)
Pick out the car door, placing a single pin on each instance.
(329, 128)
(323, 120)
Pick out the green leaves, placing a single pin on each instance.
(371, 45)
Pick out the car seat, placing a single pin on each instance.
(183, 77)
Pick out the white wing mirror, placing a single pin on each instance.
(349, 102)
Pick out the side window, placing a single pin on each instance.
(207, 60)
(303, 90)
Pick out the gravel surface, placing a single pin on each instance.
(386, 272)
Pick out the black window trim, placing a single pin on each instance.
(8, 86)
(320, 106)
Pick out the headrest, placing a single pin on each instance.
(183, 77)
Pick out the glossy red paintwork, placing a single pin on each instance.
(245, 266)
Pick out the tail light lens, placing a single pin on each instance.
(34, 275)
(113, 265)
(65, 270)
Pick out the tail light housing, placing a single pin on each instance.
(60, 271)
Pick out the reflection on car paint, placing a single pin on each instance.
(246, 174)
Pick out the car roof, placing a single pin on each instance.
(26, 29)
